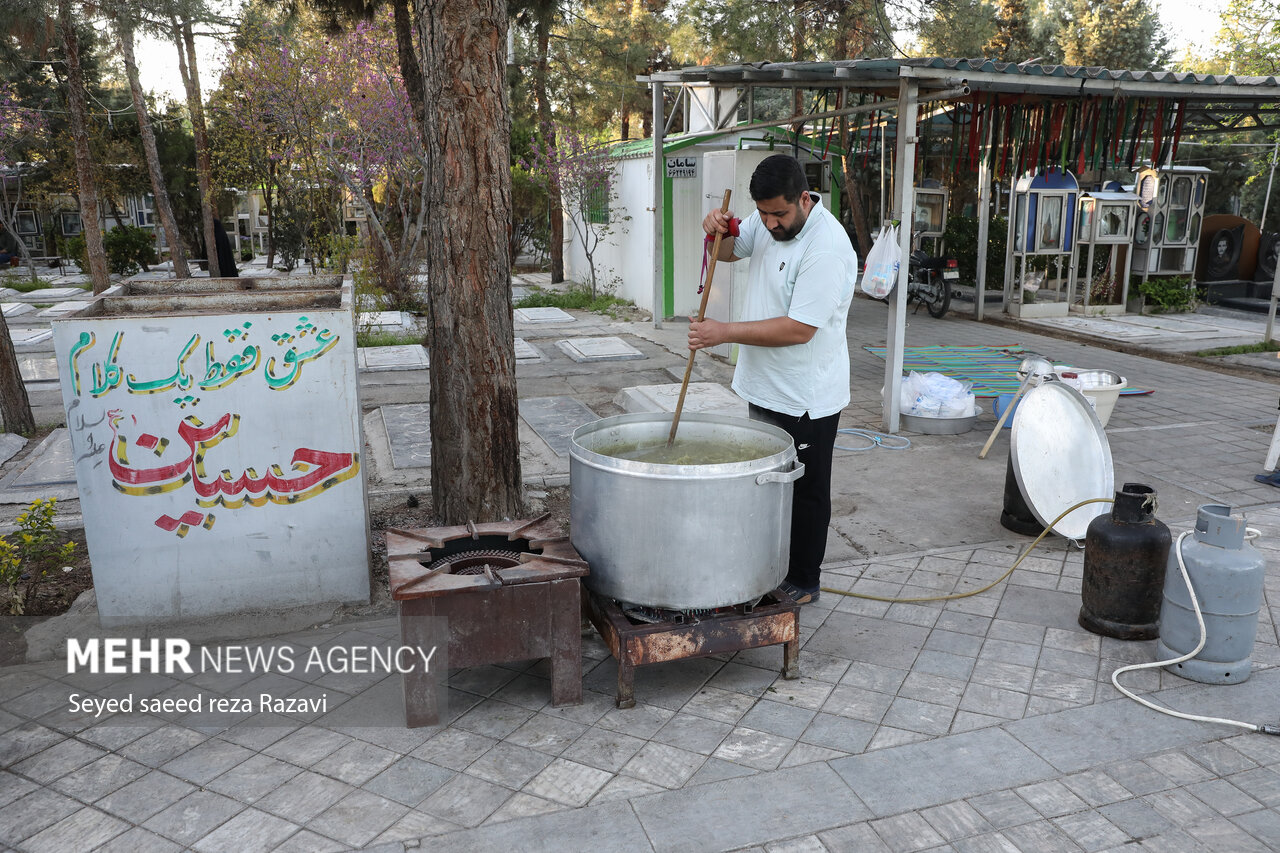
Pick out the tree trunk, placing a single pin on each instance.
(556, 205)
(84, 161)
(124, 27)
(15, 408)
(114, 210)
(410, 69)
(186, 44)
(475, 464)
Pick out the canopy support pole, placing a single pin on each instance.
(904, 178)
(659, 169)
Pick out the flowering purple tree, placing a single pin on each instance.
(342, 109)
(582, 173)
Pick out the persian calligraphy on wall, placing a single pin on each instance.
(239, 431)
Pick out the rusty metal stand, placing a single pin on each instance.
(775, 620)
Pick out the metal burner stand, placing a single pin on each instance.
(496, 609)
(774, 620)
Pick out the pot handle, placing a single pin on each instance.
(781, 476)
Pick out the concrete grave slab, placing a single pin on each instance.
(408, 428)
(555, 418)
(527, 353)
(50, 294)
(50, 473)
(1182, 328)
(9, 293)
(518, 293)
(407, 357)
(30, 337)
(1091, 326)
(542, 315)
(38, 369)
(390, 320)
(10, 444)
(64, 309)
(598, 349)
(706, 397)
(16, 309)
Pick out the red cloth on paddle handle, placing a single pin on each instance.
(733, 230)
(706, 249)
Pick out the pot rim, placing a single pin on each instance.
(657, 470)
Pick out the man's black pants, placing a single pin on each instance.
(811, 506)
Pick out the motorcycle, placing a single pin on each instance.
(929, 281)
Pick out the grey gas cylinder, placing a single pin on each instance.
(1227, 574)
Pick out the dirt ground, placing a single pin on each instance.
(53, 595)
(59, 589)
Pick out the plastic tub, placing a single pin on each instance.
(939, 426)
(1100, 387)
(1000, 404)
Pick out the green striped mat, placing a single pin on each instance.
(990, 370)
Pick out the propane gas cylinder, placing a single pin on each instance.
(1125, 554)
(1227, 574)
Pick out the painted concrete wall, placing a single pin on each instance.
(627, 257)
(218, 459)
(629, 242)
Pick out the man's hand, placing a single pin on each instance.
(705, 333)
(716, 222)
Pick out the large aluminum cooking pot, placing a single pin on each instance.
(680, 536)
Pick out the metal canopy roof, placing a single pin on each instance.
(1205, 103)
(1214, 102)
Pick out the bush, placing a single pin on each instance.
(129, 249)
(32, 552)
(75, 249)
(961, 239)
(530, 225)
(246, 255)
(289, 236)
(1169, 295)
(577, 296)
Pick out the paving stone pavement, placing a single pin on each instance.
(986, 723)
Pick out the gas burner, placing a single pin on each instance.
(660, 616)
(468, 587)
(477, 557)
(476, 562)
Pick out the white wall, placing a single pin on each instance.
(628, 247)
(159, 407)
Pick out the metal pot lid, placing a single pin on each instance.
(1061, 457)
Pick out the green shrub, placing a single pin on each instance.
(577, 296)
(1169, 295)
(338, 250)
(129, 249)
(961, 240)
(32, 552)
(75, 249)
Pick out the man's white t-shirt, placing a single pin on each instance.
(809, 278)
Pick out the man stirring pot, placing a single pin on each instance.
(793, 364)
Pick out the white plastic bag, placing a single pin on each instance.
(881, 272)
(936, 395)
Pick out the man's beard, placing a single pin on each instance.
(782, 235)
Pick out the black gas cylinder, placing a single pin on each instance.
(1016, 515)
(1125, 554)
